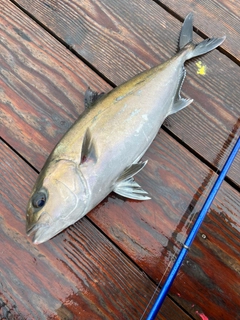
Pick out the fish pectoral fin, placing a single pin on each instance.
(89, 151)
(127, 187)
(91, 97)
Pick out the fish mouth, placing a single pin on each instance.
(43, 232)
(38, 229)
(32, 229)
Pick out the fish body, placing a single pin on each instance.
(101, 152)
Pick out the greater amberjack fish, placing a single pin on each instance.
(101, 152)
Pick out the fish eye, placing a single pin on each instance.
(39, 200)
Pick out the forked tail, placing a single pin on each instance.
(201, 48)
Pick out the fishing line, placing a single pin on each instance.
(214, 184)
(181, 241)
(173, 258)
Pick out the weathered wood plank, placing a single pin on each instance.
(221, 16)
(151, 232)
(78, 275)
(218, 245)
(173, 196)
(42, 86)
(121, 39)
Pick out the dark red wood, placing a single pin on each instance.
(41, 93)
(79, 274)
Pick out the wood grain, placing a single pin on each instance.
(78, 275)
(152, 232)
(42, 84)
(120, 40)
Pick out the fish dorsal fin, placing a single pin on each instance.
(88, 148)
(91, 97)
(127, 187)
(179, 102)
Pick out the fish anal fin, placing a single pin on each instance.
(91, 97)
(89, 151)
(180, 104)
(127, 187)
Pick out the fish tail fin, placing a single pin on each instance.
(186, 34)
(186, 39)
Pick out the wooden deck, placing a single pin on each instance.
(107, 265)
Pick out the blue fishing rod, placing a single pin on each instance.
(172, 274)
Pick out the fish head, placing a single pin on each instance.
(59, 198)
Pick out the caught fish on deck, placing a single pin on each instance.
(102, 151)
